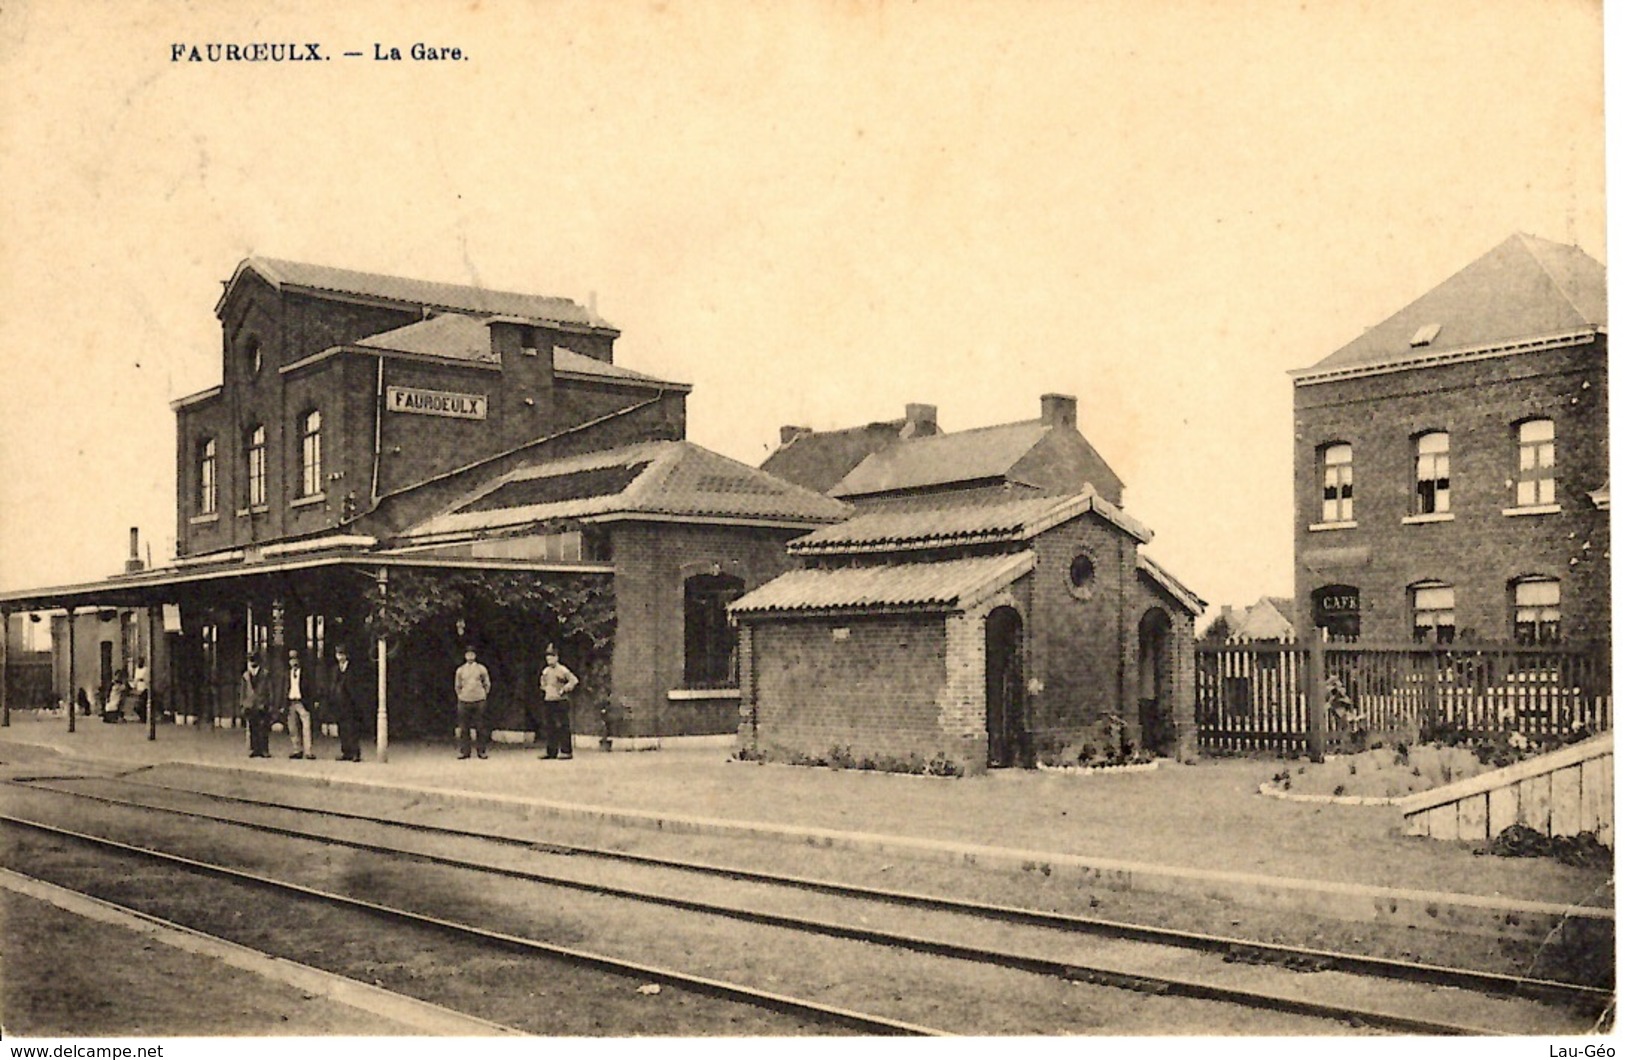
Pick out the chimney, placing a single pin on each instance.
(134, 564)
(788, 434)
(518, 344)
(1059, 410)
(508, 336)
(919, 421)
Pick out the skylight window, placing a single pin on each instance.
(1425, 335)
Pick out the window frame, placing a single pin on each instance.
(1430, 468)
(1420, 633)
(1543, 631)
(208, 479)
(1342, 505)
(254, 454)
(310, 453)
(710, 640)
(1528, 471)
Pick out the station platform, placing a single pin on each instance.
(1200, 830)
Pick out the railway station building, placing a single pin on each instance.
(406, 468)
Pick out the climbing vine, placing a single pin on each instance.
(580, 606)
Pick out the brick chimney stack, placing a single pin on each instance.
(1059, 410)
(520, 345)
(788, 433)
(134, 565)
(919, 421)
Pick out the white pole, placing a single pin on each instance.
(383, 699)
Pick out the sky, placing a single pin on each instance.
(814, 211)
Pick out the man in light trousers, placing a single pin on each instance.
(297, 714)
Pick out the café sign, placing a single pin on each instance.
(436, 403)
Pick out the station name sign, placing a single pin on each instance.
(437, 403)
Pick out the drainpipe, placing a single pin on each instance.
(377, 429)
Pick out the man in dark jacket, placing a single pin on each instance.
(254, 698)
(344, 706)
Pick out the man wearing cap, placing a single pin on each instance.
(557, 683)
(473, 684)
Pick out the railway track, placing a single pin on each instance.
(818, 1014)
(1241, 949)
(1416, 998)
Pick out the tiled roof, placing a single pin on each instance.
(471, 299)
(652, 478)
(945, 585)
(1174, 587)
(820, 459)
(465, 338)
(1524, 289)
(963, 456)
(945, 521)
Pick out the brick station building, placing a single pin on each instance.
(986, 605)
(406, 467)
(1451, 463)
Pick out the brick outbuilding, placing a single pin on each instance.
(978, 629)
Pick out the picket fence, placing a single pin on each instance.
(1256, 696)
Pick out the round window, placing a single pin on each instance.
(1080, 576)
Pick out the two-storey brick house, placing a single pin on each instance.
(1451, 463)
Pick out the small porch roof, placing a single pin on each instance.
(945, 585)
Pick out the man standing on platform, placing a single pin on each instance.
(345, 706)
(557, 684)
(298, 716)
(473, 685)
(254, 699)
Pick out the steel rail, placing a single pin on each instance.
(864, 1022)
(1106, 976)
(1496, 983)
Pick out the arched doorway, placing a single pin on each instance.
(1006, 703)
(1156, 710)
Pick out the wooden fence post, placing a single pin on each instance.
(1316, 696)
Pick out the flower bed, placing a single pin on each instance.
(1381, 774)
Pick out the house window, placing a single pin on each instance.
(207, 498)
(709, 642)
(1432, 473)
(310, 453)
(253, 356)
(256, 467)
(1536, 614)
(316, 637)
(1537, 463)
(1337, 483)
(1433, 613)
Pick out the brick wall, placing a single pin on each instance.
(525, 402)
(876, 689)
(652, 560)
(1082, 650)
(1480, 550)
(1080, 655)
